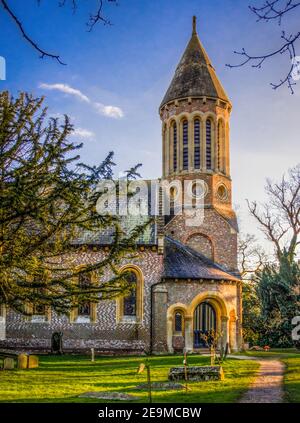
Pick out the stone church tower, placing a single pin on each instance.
(201, 288)
(184, 276)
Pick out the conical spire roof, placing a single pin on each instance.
(195, 75)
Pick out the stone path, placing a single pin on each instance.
(267, 385)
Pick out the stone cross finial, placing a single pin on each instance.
(194, 24)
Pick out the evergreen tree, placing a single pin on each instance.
(278, 289)
(47, 199)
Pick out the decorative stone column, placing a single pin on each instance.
(224, 329)
(159, 316)
(233, 334)
(189, 333)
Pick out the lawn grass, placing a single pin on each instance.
(63, 378)
(291, 358)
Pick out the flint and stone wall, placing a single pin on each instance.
(106, 334)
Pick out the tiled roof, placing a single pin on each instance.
(182, 262)
(105, 237)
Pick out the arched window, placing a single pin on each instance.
(174, 146)
(178, 322)
(197, 155)
(221, 146)
(185, 140)
(208, 143)
(129, 302)
(86, 311)
(84, 282)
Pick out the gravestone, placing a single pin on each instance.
(22, 361)
(8, 364)
(178, 343)
(33, 362)
(56, 343)
(197, 373)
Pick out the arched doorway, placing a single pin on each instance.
(204, 320)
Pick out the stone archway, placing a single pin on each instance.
(218, 313)
(215, 301)
(204, 321)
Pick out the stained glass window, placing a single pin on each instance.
(178, 321)
(84, 309)
(130, 299)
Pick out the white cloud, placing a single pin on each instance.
(65, 88)
(83, 133)
(109, 111)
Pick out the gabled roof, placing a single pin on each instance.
(182, 262)
(195, 75)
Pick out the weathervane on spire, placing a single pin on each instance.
(194, 24)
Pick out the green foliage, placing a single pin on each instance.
(279, 293)
(271, 302)
(252, 324)
(47, 199)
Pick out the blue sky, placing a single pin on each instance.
(129, 65)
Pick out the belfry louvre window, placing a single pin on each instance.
(185, 140)
(221, 146)
(174, 146)
(129, 304)
(208, 144)
(197, 144)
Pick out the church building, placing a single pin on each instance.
(186, 281)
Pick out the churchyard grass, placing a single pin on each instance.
(63, 378)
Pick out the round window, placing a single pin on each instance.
(199, 189)
(222, 193)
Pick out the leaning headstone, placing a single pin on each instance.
(22, 361)
(8, 363)
(33, 362)
(178, 343)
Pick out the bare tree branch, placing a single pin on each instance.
(43, 53)
(93, 20)
(274, 10)
(98, 16)
(280, 217)
(269, 11)
(251, 256)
